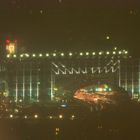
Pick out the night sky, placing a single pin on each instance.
(40, 25)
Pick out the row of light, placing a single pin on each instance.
(70, 54)
(36, 116)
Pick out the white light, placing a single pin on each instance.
(25, 117)
(36, 116)
(50, 117)
(87, 53)
(93, 53)
(20, 100)
(40, 55)
(126, 52)
(8, 55)
(70, 54)
(81, 53)
(60, 116)
(114, 52)
(100, 53)
(21, 55)
(54, 54)
(107, 37)
(47, 54)
(72, 117)
(27, 55)
(62, 54)
(14, 55)
(11, 116)
(107, 52)
(34, 55)
(120, 52)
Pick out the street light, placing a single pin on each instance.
(70, 54)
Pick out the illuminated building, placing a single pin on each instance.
(35, 77)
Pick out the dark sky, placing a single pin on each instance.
(71, 24)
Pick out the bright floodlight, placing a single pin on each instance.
(11, 116)
(54, 54)
(107, 52)
(62, 54)
(35, 116)
(50, 117)
(114, 52)
(126, 52)
(14, 55)
(60, 116)
(93, 53)
(120, 52)
(107, 37)
(47, 54)
(70, 54)
(87, 53)
(25, 117)
(81, 53)
(40, 55)
(100, 53)
(72, 117)
(8, 55)
(27, 55)
(34, 55)
(21, 55)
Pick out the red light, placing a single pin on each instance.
(7, 41)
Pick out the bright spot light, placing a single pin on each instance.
(47, 54)
(120, 52)
(25, 117)
(50, 117)
(14, 55)
(20, 100)
(87, 53)
(110, 89)
(107, 52)
(72, 117)
(54, 54)
(56, 89)
(40, 55)
(11, 116)
(62, 54)
(70, 54)
(126, 52)
(21, 55)
(100, 53)
(60, 116)
(81, 53)
(8, 55)
(57, 129)
(34, 55)
(114, 52)
(93, 53)
(35, 116)
(107, 37)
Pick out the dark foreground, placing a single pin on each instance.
(75, 123)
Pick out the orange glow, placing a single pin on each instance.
(11, 48)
